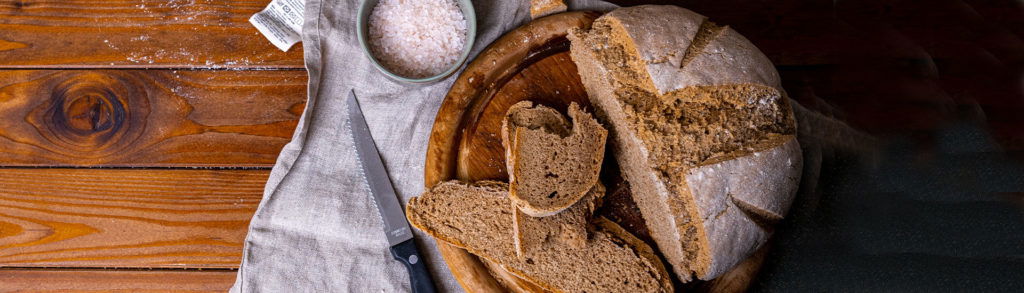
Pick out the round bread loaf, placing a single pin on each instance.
(701, 129)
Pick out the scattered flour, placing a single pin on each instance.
(147, 49)
(417, 38)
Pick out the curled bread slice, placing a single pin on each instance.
(549, 172)
(700, 127)
(568, 227)
(478, 218)
(542, 8)
(531, 116)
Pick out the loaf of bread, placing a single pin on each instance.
(700, 127)
(478, 218)
(550, 170)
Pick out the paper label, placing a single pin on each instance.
(280, 22)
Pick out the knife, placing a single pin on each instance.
(396, 229)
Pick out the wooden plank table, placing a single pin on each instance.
(135, 140)
(136, 135)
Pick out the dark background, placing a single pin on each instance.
(939, 204)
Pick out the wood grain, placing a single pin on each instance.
(147, 117)
(136, 34)
(114, 281)
(126, 217)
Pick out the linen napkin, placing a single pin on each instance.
(316, 229)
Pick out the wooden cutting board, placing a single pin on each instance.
(529, 63)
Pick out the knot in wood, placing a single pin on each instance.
(91, 113)
(88, 109)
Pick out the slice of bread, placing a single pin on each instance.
(510, 282)
(700, 127)
(478, 218)
(542, 8)
(568, 227)
(548, 172)
(532, 116)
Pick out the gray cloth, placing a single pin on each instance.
(316, 229)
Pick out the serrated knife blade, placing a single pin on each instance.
(396, 227)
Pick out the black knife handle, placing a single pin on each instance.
(407, 253)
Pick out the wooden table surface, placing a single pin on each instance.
(135, 140)
(136, 136)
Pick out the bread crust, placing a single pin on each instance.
(737, 198)
(728, 59)
(647, 29)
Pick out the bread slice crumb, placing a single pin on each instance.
(568, 227)
(548, 172)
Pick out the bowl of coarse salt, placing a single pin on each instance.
(416, 41)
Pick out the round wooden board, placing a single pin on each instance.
(529, 63)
